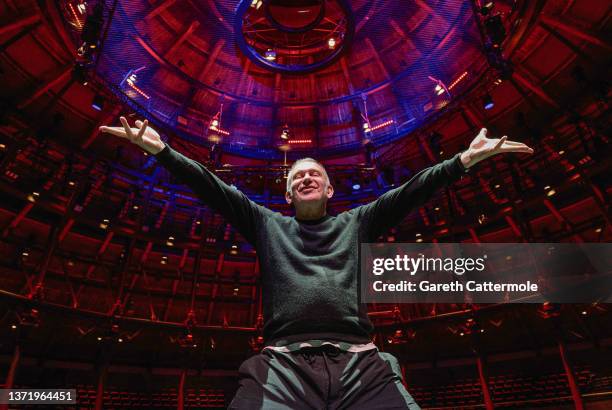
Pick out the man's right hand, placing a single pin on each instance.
(145, 137)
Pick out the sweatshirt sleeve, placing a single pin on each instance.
(240, 211)
(393, 206)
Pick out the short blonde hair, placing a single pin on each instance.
(298, 162)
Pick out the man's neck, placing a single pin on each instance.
(307, 213)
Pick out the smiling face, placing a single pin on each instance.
(308, 185)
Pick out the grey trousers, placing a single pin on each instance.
(322, 378)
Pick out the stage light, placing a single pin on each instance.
(13, 326)
(25, 254)
(164, 260)
(285, 133)
(356, 187)
(33, 197)
(270, 55)
(439, 89)
(458, 80)
(82, 8)
(381, 125)
(170, 241)
(598, 230)
(2, 146)
(331, 43)
(104, 224)
(487, 102)
(98, 102)
(486, 8)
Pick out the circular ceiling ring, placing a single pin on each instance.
(268, 4)
(258, 57)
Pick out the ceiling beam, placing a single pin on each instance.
(381, 66)
(571, 27)
(347, 77)
(159, 7)
(536, 89)
(186, 34)
(63, 75)
(16, 25)
(211, 59)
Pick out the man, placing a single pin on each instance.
(318, 350)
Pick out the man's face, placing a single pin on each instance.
(309, 185)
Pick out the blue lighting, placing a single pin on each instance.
(487, 102)
(97, 103)
(356, 187)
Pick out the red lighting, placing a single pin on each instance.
(300, 141)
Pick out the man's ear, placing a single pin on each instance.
(288, 197)
(330, 191)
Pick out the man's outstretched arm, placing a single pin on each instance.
(241, 212)
(393, 206)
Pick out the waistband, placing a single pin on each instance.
(343, 346)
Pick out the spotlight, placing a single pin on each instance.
(98, 102)
(486, 8)
(439, 90)
(270, 55)
(285, 133)
(33, 197)
(356, 187)
(487, 102)
(331, 43)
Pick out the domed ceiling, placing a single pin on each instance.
(186, 63)
(94, 228)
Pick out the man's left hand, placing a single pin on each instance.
(482, 148)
